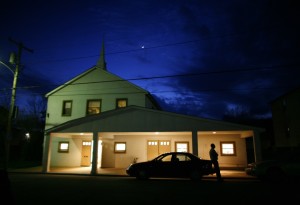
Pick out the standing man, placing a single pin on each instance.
(214, 159)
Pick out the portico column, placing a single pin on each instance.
(46, 153)
(95, 153)
(195, 142)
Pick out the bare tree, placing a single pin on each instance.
(36, 106)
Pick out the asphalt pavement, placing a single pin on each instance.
(117, 172)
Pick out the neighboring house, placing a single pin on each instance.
(286, 120)
(100, 120)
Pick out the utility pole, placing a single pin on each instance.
(17, 61)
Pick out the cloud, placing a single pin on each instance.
(254, 44)
(234, 53)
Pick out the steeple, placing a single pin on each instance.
(101, 62)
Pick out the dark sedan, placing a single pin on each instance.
(276, 169)
(172, 165)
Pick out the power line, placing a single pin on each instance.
(243, 69)
(169, 76)
(169, 91)
(183, 75)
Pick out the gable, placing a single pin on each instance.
(286, 95)
(96, 81)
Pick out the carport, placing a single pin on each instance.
(136, 128)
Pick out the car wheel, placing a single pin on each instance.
(142, 174)
(195, 175)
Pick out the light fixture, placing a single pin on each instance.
(27, 136)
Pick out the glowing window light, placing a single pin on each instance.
(182, 147)
(228, 148)
(120, 147)
(85, 143)
(63, 147)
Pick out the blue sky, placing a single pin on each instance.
(201, 58)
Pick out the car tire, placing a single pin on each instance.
(142, 175)
(195, 175)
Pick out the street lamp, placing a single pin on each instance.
(7, 67)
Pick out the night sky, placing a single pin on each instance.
(201, 58)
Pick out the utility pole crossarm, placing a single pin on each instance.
(20, 45)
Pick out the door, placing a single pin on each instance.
(157, 147)
(86, 153)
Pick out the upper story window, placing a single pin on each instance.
(93, 107)
(121, 103)
(67, 108)
(228, 149)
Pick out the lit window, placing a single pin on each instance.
(120, 147)
(67, 108)
(86, 143)
(93, 107)
(121, 103)
(152, 143)
(182, 146)
(228, 149)
(164, 143)
(63, 147)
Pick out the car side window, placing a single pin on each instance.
(183, 158)
(167, 158)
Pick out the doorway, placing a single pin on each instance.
(86, 153)
(157, 147)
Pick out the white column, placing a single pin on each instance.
(46, 153)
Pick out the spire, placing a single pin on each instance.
(101, 62)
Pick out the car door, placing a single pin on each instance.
(163, 167)
(183, 167)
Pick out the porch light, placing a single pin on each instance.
(27, 136)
